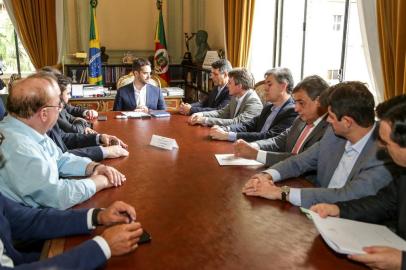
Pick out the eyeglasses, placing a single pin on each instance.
(59, 106)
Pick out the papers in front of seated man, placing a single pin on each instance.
(349, 237)
(231, 160)
(136, 114)
(163, 142)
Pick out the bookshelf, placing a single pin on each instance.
(111, 73)
(197, 82)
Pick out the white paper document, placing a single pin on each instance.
(231, 160)
(349, 237)
(135, 114)
(163, 142)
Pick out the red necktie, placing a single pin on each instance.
(301, 138)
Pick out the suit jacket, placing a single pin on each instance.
(75, 110)
(212, 103)
(372, 170)
(19, 222)
(281, 146)
(387, 205)
(125, 98)
(251, 130)
(71, 124)
(83, 145)
(251, 106)
(2, 110)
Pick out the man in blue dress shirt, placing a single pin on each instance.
(36, 171)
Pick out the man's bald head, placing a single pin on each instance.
(31, 94)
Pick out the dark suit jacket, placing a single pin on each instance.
(2, 110)
(75, 110)
(387, 205)
(251, 130)
(125, 98)
(372, 170)
(212, 103)
(83, 145)
(72, 124)
(19, 222)
(280, 147)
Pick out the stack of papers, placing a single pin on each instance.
(350, 237)
(231, 160)
(173, 91)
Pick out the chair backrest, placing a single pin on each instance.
(129, 78)
(124, 80)
(260, 89)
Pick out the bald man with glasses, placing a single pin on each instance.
(37, 172)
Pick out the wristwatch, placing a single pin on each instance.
(285, 190)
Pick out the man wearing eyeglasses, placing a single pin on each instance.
(36, 169)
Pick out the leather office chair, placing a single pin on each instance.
(260, 89)
(129, 78)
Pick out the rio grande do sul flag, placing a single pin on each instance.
(161, 58)
(95, 68)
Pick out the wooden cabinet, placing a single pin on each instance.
(104, 104)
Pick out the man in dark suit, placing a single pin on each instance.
(26, 224)
(139, 95)
(389, 204)
(348, 162)
(94, 146)
(310, 103)
(275, 118)
(218, 97)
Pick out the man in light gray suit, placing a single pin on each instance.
(347, 159)
(244, 104)
(311, 105)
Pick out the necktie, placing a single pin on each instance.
(301, 138)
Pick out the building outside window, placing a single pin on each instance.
(10, 49)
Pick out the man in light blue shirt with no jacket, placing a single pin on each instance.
(35, 165)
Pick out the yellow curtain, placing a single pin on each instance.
(37, 27)
(392, 41)
(238, 18)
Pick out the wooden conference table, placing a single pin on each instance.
(195, 211)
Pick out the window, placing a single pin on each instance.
(337, 22)
(320, 37)
(13, 57)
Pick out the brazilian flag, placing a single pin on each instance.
(95, 67)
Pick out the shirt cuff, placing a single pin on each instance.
(103, 245)
(276, 176)
(261, 156)
(89, 219)
(255, 145)
(295, 196)
(85, 113)
(98, 139)
(232, 136)
(104, 151)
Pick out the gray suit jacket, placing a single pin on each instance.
(372, 170)
(280, 147)
(251, 106)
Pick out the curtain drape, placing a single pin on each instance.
(35, 21)
(392, 41)
(369, 32)
(238, 19)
